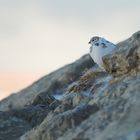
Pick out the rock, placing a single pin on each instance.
(54, 104)
(63, 107)
(11, 127)
(34, 115)
(43, 98)
(82, 98)
(15, 123)
(126, 59)
(96, 105)
(54, 83)
(118, 117)
(53, 128)
(87, 80)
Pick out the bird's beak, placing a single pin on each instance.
(89, 42)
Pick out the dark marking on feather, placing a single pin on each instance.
(104, 45)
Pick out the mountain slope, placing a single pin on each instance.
(53, 83)
(97, 105)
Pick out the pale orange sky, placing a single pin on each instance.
(39, 36)
(13, 82)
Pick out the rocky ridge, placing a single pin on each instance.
(53, 84)
(96, 105)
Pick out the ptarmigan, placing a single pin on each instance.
(99, 48)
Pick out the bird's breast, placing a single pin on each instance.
(96, 52)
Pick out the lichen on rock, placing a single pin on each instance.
(126, 58)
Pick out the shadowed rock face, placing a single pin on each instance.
(98, 105)
(16, 122)
(11, 127)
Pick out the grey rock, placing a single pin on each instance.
(43, 98)
(53, 128)
(118, 117)
(87, 80)
(15, 123)
(34, 115)
(96, 105)
(54, 83)
(11, 127)
(126, 58)
(54, 104)
(63, 107)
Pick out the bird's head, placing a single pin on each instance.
(95, 41)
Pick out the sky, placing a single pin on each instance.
(39, 36)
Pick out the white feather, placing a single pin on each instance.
(97, 52)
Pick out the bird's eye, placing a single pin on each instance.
(94, 39)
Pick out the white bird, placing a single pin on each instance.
(99, 48)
